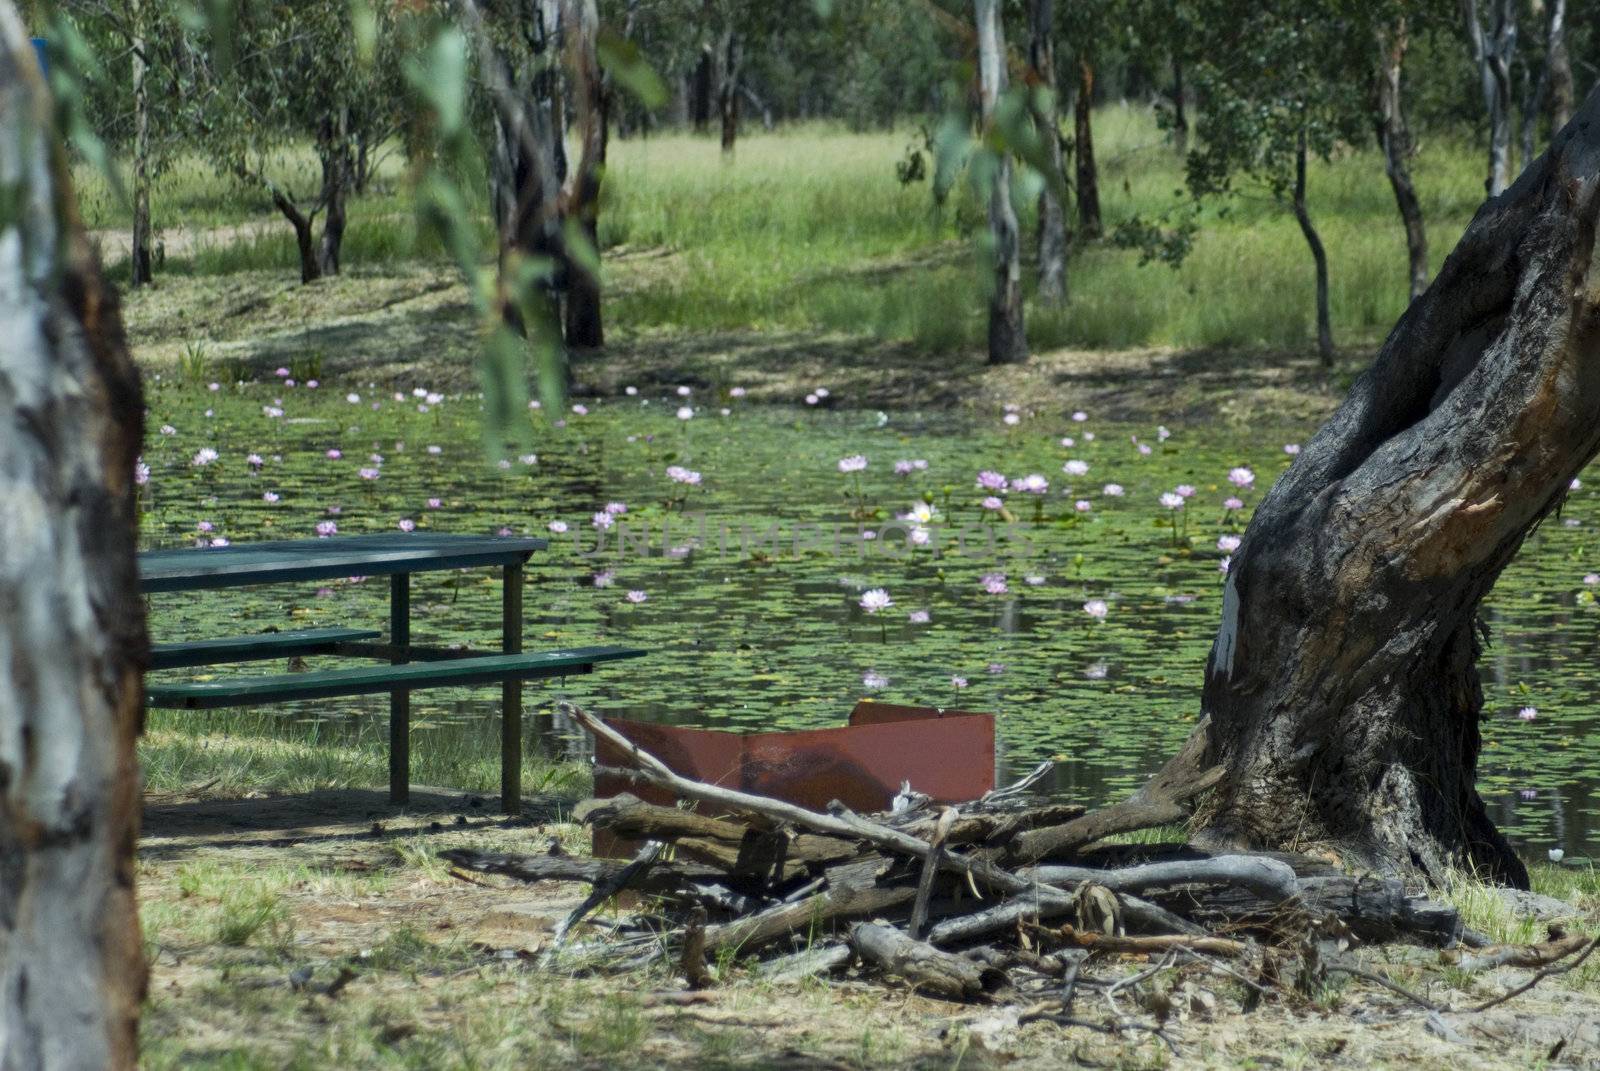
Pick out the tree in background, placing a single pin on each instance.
(1493, 47)
(299, 71)
(1393, 37)
(72, 974)
(1008, 343)
(1087, 26)
(145, 39)
(1278, 87)
(1052, 240)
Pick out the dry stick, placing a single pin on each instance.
(605, 890)
(1101, 942)
(1529, 956)
(847, 824)
(1548, 972)
(930, 869)
(1373, 976)
(1160, 803)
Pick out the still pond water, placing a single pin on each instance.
(1080, 613)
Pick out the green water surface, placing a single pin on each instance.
(753, 579)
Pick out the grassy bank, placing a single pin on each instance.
(807, 229)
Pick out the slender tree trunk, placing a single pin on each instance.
(700, 91)
(304, 234)
(1493, 49)
(582, 197)
(1394, 139)
(1319, 255)
(1558, 64)
(338, 175)
(139, 259)
(1342, 696)
(72, 973)
(1052, 219)
(1180, 114)
(1008, 343)
(1083, 136)
(728, 90)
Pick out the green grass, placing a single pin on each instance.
(233, 752)
(808, 229)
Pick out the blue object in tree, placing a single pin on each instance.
(40, 49)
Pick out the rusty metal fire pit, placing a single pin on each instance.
(946, 754)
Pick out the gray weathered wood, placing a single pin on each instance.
(927, 968)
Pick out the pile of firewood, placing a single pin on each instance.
(1000, 896)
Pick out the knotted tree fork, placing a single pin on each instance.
(72, 635)
(1342, 696)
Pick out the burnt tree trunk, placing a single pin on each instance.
(584, 328)
(1394, 139)
(1008, 344)
(1493, 48)
(728, 90)
(72, 973)
(1088, 174)
(139, 254)
(1342, 696)
(1319, 255)
(1052, 218)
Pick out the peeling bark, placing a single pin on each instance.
(71, 968)
(1342, 695)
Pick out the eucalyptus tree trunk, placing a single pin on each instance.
(1052, 219)
(1319, 255)
(1088, 174)
(336, 153)
(1493, 49)
(304, 223)
(72, 973)
(1558, 66)
(1394, 138)
(139, 254)
(1180, 113)
(582, 196)
(1552, 91)
(526, 160)
(728, 89)
(1342, 695)
(1008, 344)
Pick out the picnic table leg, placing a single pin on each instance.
(511, 693)
(400, 698)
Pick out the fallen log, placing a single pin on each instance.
(927, 969)
(1145, 945)
(1160, 803)
(1268, 878)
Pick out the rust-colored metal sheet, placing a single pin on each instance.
(947, 754)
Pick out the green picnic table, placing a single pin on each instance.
(410, 666)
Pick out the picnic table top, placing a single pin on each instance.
(279, 560)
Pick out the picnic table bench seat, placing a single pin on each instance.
(263, 645)
(363, 680)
